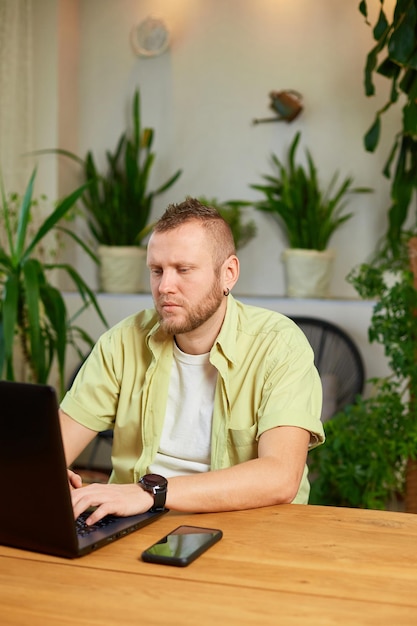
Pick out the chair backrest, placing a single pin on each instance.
(338, 361)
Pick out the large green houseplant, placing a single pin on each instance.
(390, 275)
(119, 202)
(371, 450)
(34, 322)
(307, 215)
(368, 447)
(394, 57)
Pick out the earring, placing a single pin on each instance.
(226, 291)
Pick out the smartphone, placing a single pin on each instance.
(182, 545)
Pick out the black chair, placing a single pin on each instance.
(338, 361)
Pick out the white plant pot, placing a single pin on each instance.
(122, 269)
(308, 272)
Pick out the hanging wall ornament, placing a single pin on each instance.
(286, 104)
(150, 38)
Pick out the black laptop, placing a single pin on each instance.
(36, 512)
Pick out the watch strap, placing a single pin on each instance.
(159, 499)
(157, 486)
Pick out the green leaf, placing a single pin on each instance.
(23, 220)
(32, 311)
(61, 152)
(370, 66)
(61, 210)
(389, 69)
(412, 61)
(83, 289)
(9, 312)
(408, 83)
(371, 138)
(32, 277)
(363, 8)
(55, 312)
(381, 26)
(410, 119)
(136, 120)
(391, 156)
(402, 41)
(80, 242)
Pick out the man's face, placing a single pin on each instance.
(185, 288)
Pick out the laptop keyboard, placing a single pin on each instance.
(84, 529)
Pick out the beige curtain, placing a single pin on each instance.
(16, 91)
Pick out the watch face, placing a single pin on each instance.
(154, 480)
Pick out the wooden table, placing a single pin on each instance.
(285, 565)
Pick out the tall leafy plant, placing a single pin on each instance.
(294, 197)
(119, 201)
(365, 461)
(32, 310)
(394, 56)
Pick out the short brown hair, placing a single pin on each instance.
(193, 210)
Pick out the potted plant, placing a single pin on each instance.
(231, 211)
(363, 461)
(369, 445)
(34, 323)
(371, 449)
(118, 204)
(390, 275)
(308, 217)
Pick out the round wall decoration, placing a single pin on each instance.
(150, 38)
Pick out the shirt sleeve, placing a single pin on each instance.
(292, 390)
(92, 399)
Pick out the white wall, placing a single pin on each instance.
(202, 95)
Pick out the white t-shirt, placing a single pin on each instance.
(186, 436)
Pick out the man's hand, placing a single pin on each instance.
(74, 479)
(110, 499)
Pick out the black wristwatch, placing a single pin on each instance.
(156, 485)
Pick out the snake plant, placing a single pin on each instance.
(119, 202)
(307, 215)
(33, 314)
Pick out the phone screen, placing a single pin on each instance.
(181, 546)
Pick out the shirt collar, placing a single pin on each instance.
(226, 339)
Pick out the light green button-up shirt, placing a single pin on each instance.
(266, 378)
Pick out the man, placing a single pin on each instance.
(214, 402)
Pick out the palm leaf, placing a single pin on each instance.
(61, 210)
(31, 309)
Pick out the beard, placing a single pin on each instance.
(192, 319)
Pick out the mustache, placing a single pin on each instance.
(171, 301)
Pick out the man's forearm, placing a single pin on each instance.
(256, 483)
(75, 437)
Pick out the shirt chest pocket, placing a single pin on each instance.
(242, 444)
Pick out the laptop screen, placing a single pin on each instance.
(36, 512)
